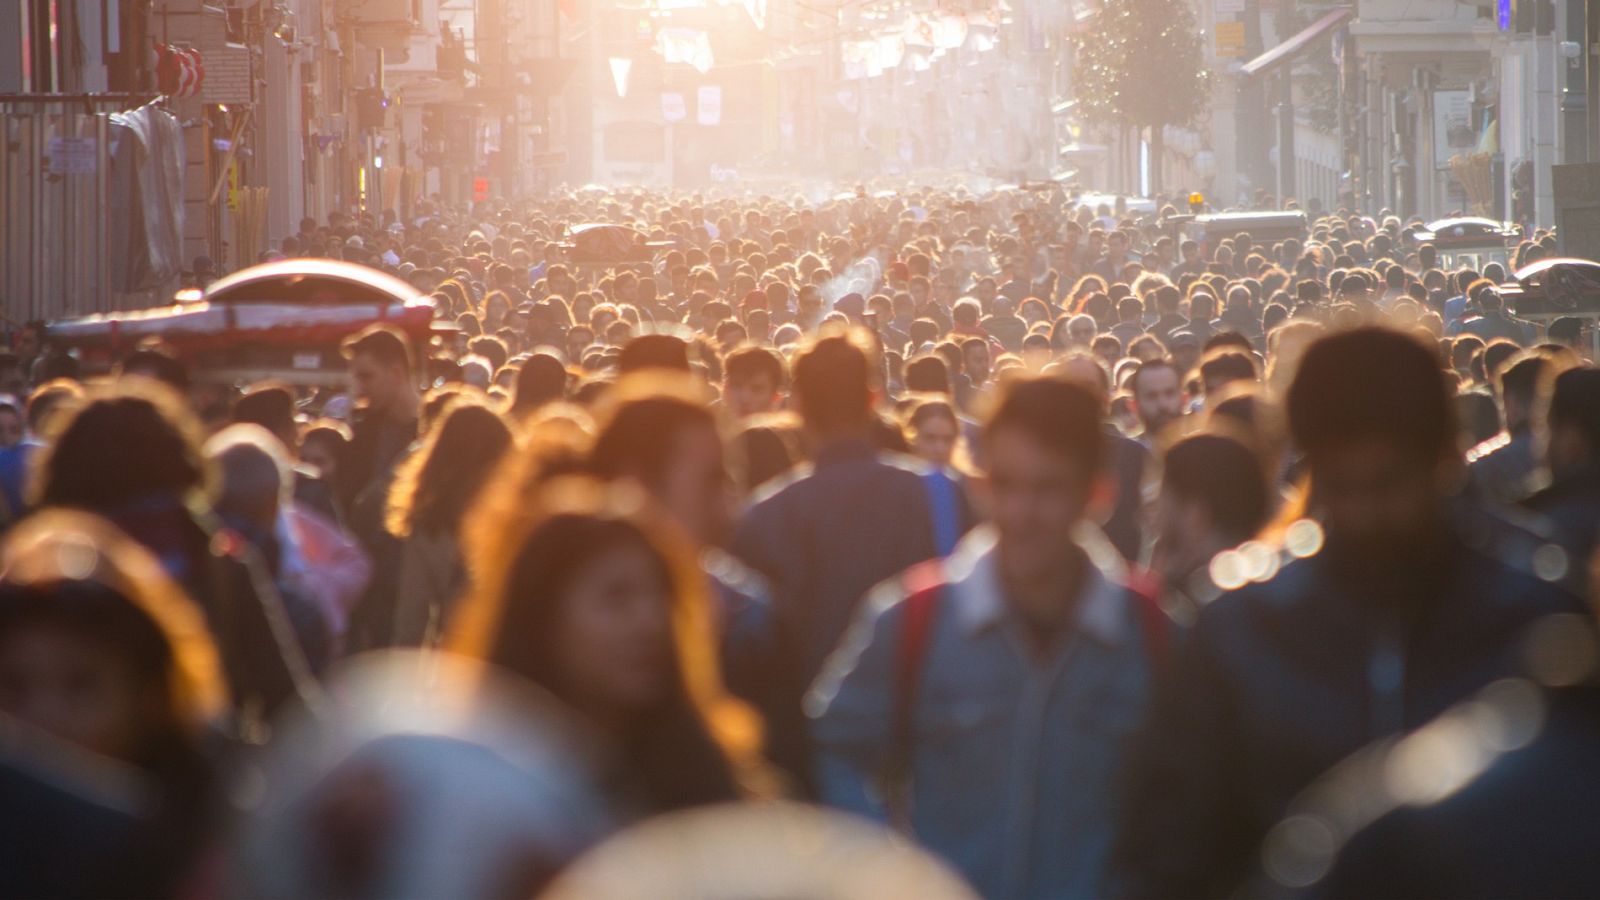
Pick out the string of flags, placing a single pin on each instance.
(179, 70)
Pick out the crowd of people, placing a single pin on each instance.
(1093, 559)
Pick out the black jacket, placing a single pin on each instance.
(1280, 680)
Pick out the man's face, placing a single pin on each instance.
(976, 361)
(694, 489)
(1191, 253)
(1117, 245)
(1379, 503)
(375, 382)
(750, 395)
(1036, 498)
(1158, 396)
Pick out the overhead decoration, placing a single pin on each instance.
(179, 71)
(621, 66)
(688, 46)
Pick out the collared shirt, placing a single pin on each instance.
(1014, 757)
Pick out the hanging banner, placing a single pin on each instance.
(673, 108)
(687, 46)
(620, 67)
(708, 105)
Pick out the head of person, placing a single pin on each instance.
(541, 379)
(1043, 449)
(130, 441)
(1571, 431)
(1157, 388)
(1214, 495)
(1370, 410)
(752, 381)
(1517, 383)
(254, 478)
(380, 367)
(1081, 330)
(654, 351)
(658, 432)
(272, 407)
(434, 487)
(975, 359)
(598, 601)
(98, 647)
(1226, 365)
(324, 445)
(833, 381)
(932, 429)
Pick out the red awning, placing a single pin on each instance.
(1286, 50)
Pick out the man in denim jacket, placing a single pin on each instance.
(1034, 665)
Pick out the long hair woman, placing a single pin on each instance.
(131, 453)
(603, 604)
(109, 683)
(432, 490)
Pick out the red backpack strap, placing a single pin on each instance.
(1155, 626)
(924, 584)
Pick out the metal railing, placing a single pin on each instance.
(55, 218)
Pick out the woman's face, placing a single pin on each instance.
(935, 440)
(74, 689)
(614, 640)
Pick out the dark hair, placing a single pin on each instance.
(1519, 377)
(49, 398)
(133, 440)
(696, 745)
(1063, 416)
(1575, 403)
(762, 452)
(1225, 477)
(540, 379)
(155, 360)
(1227, 365)
(1371, 383)
(434, 486)
(271, 406)
(654, 351)
(748, 363)
(491, 348)
(384, 343)
(636, 439)
(832, 384)
(927, 374)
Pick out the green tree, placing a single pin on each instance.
(1142, 66)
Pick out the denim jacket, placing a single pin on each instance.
(1014, 759)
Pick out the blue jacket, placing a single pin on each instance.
(1013, 758)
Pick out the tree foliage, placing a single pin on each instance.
(1142, 65)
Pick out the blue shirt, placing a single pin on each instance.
(1014, 757)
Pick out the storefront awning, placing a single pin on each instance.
(1289, 48)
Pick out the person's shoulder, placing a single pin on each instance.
(1250, 590)
(779, 488)
(1514, 557)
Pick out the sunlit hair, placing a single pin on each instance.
(57, 552)
(130, 440)
(699, 745)
(638, 419)
(435, 485)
